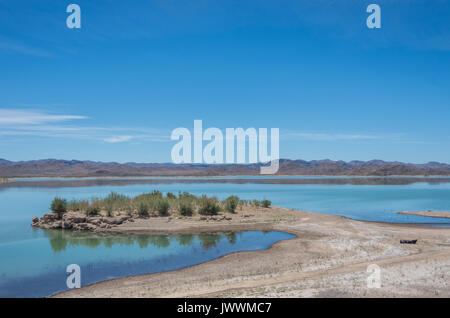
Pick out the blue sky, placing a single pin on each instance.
(116, 88)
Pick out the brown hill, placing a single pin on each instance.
(76, 168)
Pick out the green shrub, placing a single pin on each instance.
(231, 203)
(114, 196)
(59, 206)
(142, 209)
(266, 203)
(156, 193)
(170, 196)
(109, 209)
(115, 201)
(208, 206)
(186, 195)
(77, 205)
(256, 203)
(243, 202)
(163, 207)
(93, 210)
(129, 209)
(186, 208)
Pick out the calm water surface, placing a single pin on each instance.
(33, 261)
(37, 267)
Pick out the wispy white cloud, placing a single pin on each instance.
(36, 123)
(32, 117)
(22, 49)
(116, 139)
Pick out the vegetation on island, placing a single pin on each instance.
(59, 206)
(154, 204)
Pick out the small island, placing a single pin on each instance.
(105, 214)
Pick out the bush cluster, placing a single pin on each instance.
(208, 206)
(59, 206)
(154, 203)
(93, 210)
(231, 203)
(186, 208)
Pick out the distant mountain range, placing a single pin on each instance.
(76, 168)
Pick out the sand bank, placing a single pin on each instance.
(329, 258)
(431, 214)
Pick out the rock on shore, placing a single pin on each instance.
(78, 222)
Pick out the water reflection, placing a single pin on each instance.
(62, 240)
(40, 269)
(344, 180)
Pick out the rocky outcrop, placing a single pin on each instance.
(78, 222)
(215, 218)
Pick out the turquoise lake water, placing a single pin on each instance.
(37, 267)
(33, 261)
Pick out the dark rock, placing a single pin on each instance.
(94, 221)
(51, 225)
(78, 222)
(67, 225)
(50, 217)
(408, 241)
(115, 220)
(74, 218)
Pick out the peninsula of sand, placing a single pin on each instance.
(431, 214)
(330, 257)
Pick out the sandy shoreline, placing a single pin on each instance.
(328, 258)
(431, 214)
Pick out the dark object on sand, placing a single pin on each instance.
(408, 241)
